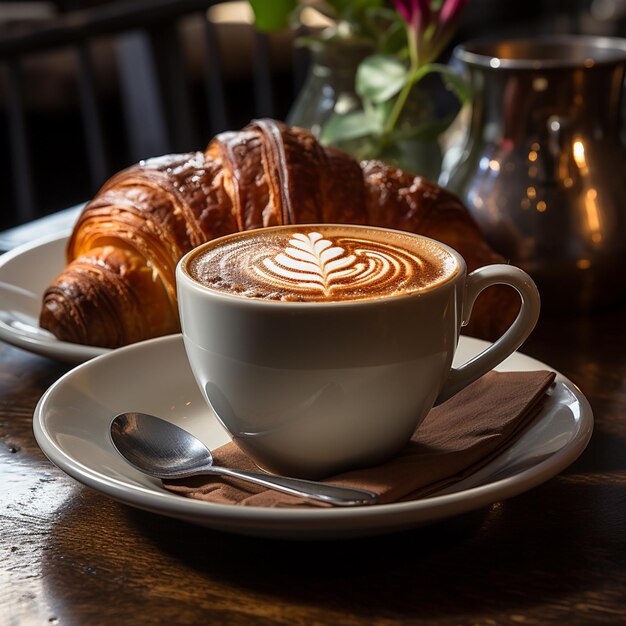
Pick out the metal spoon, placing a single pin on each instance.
(163, 450)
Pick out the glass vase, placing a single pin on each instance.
(330, 88)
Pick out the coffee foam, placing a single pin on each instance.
(322, 263)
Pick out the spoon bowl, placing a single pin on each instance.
(163, 450)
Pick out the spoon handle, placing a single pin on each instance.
(326, 492)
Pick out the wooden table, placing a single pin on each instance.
(555, 555)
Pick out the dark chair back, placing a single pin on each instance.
(154, 107)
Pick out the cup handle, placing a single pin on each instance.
(511, 340)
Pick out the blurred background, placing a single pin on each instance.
(87, 88)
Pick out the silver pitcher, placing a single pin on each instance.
(543, 170)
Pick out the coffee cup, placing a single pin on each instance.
(322, 347)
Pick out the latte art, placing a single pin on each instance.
(312, 263)
(322, 263)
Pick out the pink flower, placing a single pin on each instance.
(450, 11)
(416, 13)
(429, 30)
(419, 14)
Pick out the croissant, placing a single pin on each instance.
(119, 284)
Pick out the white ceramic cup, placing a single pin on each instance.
(312, 388)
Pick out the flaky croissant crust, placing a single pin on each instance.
(119, 284)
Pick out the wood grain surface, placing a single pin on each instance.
(555, 555)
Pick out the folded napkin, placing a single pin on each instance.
(455, 440)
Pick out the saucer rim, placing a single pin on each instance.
(272, 522)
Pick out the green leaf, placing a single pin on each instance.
(347, 126)
(380, 77)
(271, 15)
(377, 114)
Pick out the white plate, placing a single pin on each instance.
(72, 419)
(25, 273)
(57, 222)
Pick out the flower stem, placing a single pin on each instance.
(415, 75)
(413, 78)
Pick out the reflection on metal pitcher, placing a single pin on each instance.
(543, 170)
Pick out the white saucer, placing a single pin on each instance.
(25, 273)
(72, 419)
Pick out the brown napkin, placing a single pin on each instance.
(455, 440)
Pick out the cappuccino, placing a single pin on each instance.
(322, 263)
(302, 346)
